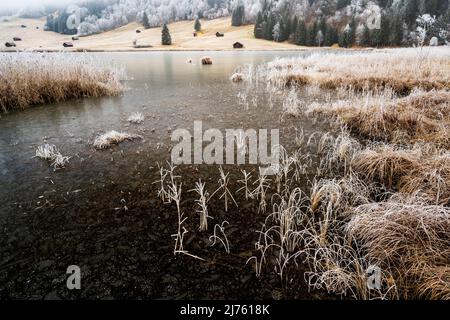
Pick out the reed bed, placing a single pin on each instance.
(28, 79)
(380, 199)
(379, 203)
(419, 117)
(401, 70)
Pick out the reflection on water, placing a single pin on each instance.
(102, 211)
(168, 90)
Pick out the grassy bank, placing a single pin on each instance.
(400, 70)
(29, 79)
(380, 198)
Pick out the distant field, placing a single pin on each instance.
(121, 39)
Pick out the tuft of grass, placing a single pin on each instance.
(410, 239)
(419, 117)
(28, 79)
(110, 138)
(385, 163)
(50, 153)
(202, 204)
(292, 104)
(237, 77)
(136, 118)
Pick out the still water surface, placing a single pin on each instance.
(102, 212)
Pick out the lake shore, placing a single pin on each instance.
(34, 38)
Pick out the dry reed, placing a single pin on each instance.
(110, 138)
(28, 79)
(402, 70)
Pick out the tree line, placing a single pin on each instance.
(319, 33)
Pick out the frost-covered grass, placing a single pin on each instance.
(402, 70)
(136, 118)
(237, 77)
(110, 138)
(292, 104)
(380, 198)
(28, 79)
(420, 117)
(50, 153)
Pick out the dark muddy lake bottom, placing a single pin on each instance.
(102, 212)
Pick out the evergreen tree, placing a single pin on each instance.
(327, 41)
(320, 38)
(331, 36)
(294, 27)
(270, 24)
(197, 25)
(411, 12)
(259, 32)
(432, 7)
(342, 3)
(276, 32)
(50, 24)
(145, 22)
(166, 39)
(322, 26)
(238, 15)
(396, 31)
(352, 34)
(345, 37)
(283, 30)
(384, 3)
(264, 29)
(376, 38)
(311, 35)
(380, 37)
(366, 37)
(300, 34)
(286, 28)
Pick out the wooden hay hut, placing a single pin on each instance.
(238, 45)
(67, 44)
(10, 44)
(219, 34)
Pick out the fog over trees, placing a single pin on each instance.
(305, 22)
